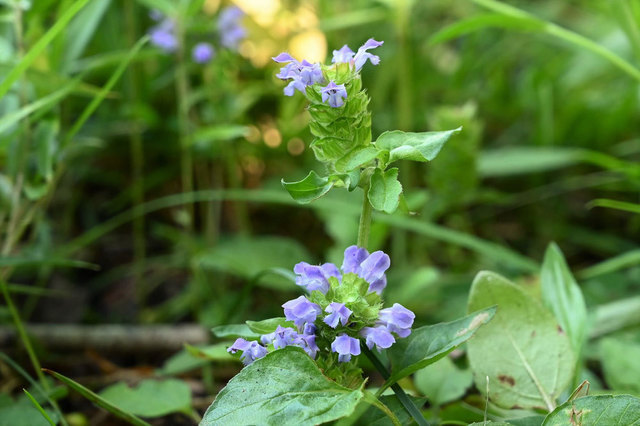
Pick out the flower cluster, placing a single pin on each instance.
(305, 74)
(230, 29)
(342, 307)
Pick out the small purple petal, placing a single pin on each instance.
(345, 346)
(334, 93)
(300, 310)
(372, 269)
(202, 53)
(353, 257)
(239, 345)
(378, 336)
(397, 319)
(250, 350)
(344, 55)
(362, 55)
(338, 313)
(284, 57)
(314, 277)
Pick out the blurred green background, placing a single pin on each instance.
(140, 187)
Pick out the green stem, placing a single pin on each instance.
(371, 399)
(365, 220)
(400, 394)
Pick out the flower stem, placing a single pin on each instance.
(365, 220)
(404, 399)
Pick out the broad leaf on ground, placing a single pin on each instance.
(620, 364)
(523, 351)
(428, 344)
(443, 382)
(597, 410)
(283, 388)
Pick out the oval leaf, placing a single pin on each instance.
(597, 410)
(151, 398)
(385, 190)
(308, 189)
(523, 351)
(561, 294)
(283, 388)
(422, 147)
(428, 344)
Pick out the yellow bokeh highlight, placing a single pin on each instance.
(210, 7)
(262, 12)
(310, 45)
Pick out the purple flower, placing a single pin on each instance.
(231, 31)
(370, 267)
(309, 344)
(345, 346)
(302, 74)
(335, 93)
(250, 350)
(378, 336)
(338, 312)
(344, 55)
(314, 277)
(397, 319)
(202, 53)
(163, 35)
(362, 55)
(300, 310)
(283, 336)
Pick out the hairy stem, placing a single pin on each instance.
(365, 220)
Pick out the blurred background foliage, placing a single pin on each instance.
(139, 186)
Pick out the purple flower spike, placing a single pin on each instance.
(338, 312)
(315, 277)
(344, 55)
(202, 53)
(335, 93)
(230, 28)
(300, 310)
(250, 350)
(372, 269)
(303, 73)
(353, 257)
(361, 57)
(378, 336)
(345, 346)
(397, 319)
(163, 36)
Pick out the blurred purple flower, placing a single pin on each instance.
(334, 93)
(202, 53)
(345, 346)
(314, 277)
(337, 313)
(301, 311)
(378, 336)
(163, 35)
(250, 350)
(397, 319)
(230, 27)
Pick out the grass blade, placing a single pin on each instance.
(97, 399)
(39, 408)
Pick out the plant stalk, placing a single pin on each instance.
(365, 220)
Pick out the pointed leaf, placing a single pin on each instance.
(428, 344)
(283, 388)
(150, 398)
(269, 325)
(422, 147)
(357, 158)
(443, 382)
(561, 294)
(523, 351)
(385, 190)
(597, 410)
(308, 189)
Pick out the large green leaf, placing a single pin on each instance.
(620, 364)
(356, 158)
(428, 344)
(443, 382)
(308, 189)
(234, 331)
(151, 398)
(561, 294)
(523, 351)
(385, 190)
(422, 147)
(596, 410)
(283, 388)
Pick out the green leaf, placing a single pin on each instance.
(192, 357)
(443, 382)
(561, 294)
(269, 325)
(22, 413)
(596, 410)
(45, 141)
(620, 364)
(422, 147)
(615, 204)
(526, 159)
(80, 31)
(308, 189)
(98, 400)
(234, 331)
(375, 417)
(487, 20)
(356, 158)
(206, 138)
(385, 190)
(250, 258)
(151, 398)
(38, 407)
(283, 388)
(428, 344)
(523, 351)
